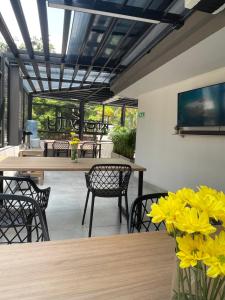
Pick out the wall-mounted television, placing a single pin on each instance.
(202, 107)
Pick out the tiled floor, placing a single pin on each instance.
(64, 213)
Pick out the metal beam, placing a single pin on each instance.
(123, 115)
(18, 11)
(9, 40)
(66, 27)
(87, 33)
(105, 8)
(43, 17)
(84, 62)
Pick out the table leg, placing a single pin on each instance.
(1, 182)
(140, 193)
(45, 149)
(100, 150)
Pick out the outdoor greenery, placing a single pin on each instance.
(124, 140)
(36, 43)
(48, 108)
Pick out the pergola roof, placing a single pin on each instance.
(100, 40)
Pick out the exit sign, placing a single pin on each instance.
(141, 114)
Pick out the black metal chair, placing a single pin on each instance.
(88, 149)
(25, 186)
(139, 221)
(21, 220)
(61, 147)
(107, 180)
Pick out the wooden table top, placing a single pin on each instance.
(57, 163)
(126, 267)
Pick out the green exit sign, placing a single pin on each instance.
(141, 114)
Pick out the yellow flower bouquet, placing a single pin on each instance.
(74, 145)
(192, 218)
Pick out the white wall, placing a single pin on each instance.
(172, 161)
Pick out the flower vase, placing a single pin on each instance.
(193, 284)
(74, 153)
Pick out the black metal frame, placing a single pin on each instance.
(25, 186)
(108, 181)
(139, 209)
(98, 61)
(20, 220)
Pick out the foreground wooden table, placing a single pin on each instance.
(135, 266)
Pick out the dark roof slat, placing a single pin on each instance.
(43, 17)
(9, 40)
(114, 10)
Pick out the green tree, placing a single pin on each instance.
(3, 47)
(37, 45)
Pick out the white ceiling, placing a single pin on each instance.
(204, 57)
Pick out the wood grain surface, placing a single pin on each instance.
(135, 266)
(57, 164)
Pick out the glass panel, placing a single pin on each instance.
(75, 85)
(26, 86)
(66, 85)
(33, 23)
(78, 29)
(80, 75)
(55, 72)
(68, 73)
(55, 85)
(11, 22)
(138, 3)
(103, 77)
(30, 70)
(42, 70)
(36, 85)
(55, 26)
(92, 76)
(45, 84)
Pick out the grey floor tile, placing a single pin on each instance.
(67, 199)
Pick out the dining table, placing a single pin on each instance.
(126, 267)
(21, 164)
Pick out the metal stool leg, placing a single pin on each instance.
(120, 207)
(85, 207)
(127, 211)
(91, 215)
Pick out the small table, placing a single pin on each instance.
(125, 267)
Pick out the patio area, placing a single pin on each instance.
(66, 205)
(112, 126)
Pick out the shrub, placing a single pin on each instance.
(124, 141)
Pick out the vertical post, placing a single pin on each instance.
(81, 123)
(123, 115)
(30, 106)
(140, 193)
(103, 113)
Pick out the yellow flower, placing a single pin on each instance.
(72, 133)
(74, 141)
(191, 250)
(167, 210)
(209, 201)
(185, 195)
(191, 220)
(215, 249)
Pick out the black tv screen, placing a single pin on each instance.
(202, 107)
